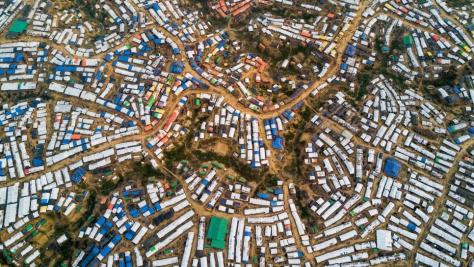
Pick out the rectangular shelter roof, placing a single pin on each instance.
(408, 40)
(217, 231)
(18, 26)
(392, 167)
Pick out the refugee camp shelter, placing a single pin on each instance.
(392, 167)
(18, 26)
(350, 50)
(217, 231)
(78, 175)
(384, 240)
(278, 143)
(407, 40)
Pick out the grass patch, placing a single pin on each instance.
(145, 169)
(361, 91)
(270, 181)
(303, 209)
(175, 154)
(293, 145)
(90, 205)
(243, 169)
(66, 250)
(459, 3)
(321, 98)
(445, 78)
(107, 185)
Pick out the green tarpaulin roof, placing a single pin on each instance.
(217, 231)
(407, 40)
(18, 26)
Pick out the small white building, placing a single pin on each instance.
(384, 240)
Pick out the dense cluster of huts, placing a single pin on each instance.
(141, 71)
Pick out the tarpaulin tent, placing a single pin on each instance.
(18, 26)
(278, 143)
(78, 174)
(350, 50)
(217, 231)
(392, 167)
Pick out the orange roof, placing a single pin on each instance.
(259, 60)
(224, 8)
(238, 6)
(241, 10)
(330, 15)
(147, 128)
(221, 13)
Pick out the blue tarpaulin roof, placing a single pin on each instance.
(350, 50)
(78, 174)
(392, 167)
(37, 162)
(278, 143)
